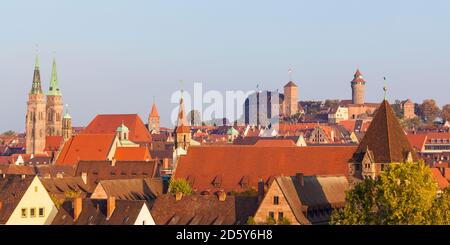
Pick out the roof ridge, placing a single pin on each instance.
(387, 131)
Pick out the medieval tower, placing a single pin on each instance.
(35, 117)
(290, 99)
(153, 120)
(67, 126)
(54, 106)
(358, 86)
(182, 130)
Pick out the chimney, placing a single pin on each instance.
(77, 207)
(4, 175)
(59, 175)
(300, 179)
(178, 196)
(110, 206)
(113, 162)
(260, 189)
(23, 176)
(84, 177)
(222, 196)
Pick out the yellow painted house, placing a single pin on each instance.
(25, 201)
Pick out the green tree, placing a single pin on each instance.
(271, 221)
(251, 221)
(331, 103)
(405, 193)
(180, 185)
(284, 221)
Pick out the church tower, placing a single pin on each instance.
(153, 120)
(358, 86)
(67, 126)
(35, 118)
(54, 106)
(182, 130)
(290, 99)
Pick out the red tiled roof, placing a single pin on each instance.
(271, 143)
(132, 154)
(203, 164)
(417, 141)
(86, 147)
(437, 135)
(441, 180)
(108, 123)
(53, 143)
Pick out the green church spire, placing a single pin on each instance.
(36, 86)
(54, 88)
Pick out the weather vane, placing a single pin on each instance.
(290, 74)
(385, 88)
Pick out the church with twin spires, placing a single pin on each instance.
(45, 113)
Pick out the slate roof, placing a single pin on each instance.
(203, 210)
(385, 138)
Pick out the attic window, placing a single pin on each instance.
(113, 173)
(94, 172)
(217, 181)
(123, 173)
(244, 182)
(145, 174)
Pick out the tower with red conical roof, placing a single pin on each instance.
(153, 120)
(358, 88)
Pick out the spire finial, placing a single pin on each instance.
(290, 74)
(385, 89)
(154, 99)
(36, 63)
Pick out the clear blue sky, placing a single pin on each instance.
(114, 56)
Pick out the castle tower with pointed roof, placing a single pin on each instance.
(153, 120)
(290, 99)
(35, 117)
(384, 143)
(358, 85)
(182, 130)
(54, 106)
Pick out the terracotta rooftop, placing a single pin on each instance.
(441, 180)
(385, 138)
(53, 143)
(104, 170)
(83, 147)
(203, 210)
(132, 154)
(317, 192)
(94, 213)
(154, 111)
(108, 123)
(60, 187)
(233, 164)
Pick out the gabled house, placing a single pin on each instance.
(302, 200)
(25, 201)
(147, 189)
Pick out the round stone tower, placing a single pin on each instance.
(358, 88)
